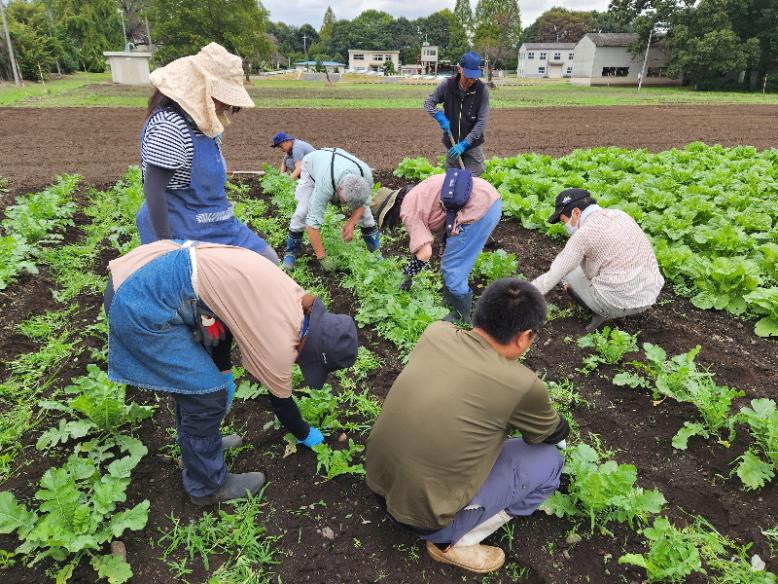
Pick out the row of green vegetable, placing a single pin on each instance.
(709, 210)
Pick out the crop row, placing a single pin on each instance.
(708, 210)
(601, 491)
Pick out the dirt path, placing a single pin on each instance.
(99, 143)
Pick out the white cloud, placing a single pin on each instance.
(299, 12)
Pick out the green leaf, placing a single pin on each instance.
(14, 516)
(688, 430)
(113, 568)
(754, 472)
(63, 433)
(767, 327)
(634, 559)
(133, 519)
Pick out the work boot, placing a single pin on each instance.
(460, 306)
(597, 321)
(475, 558)
(235, 487)
(294, 245)
(372, 239)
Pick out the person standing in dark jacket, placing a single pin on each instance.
(465, 102)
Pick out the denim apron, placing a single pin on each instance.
(150, 324)
(202, 211)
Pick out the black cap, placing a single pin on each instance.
(565, 199)
(331, 344)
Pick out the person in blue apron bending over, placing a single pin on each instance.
(154, 299)
(184, 172)
(330, 175)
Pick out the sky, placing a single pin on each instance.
(299, 12)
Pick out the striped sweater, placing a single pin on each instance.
(615, 255)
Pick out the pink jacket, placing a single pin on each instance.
(422, 213)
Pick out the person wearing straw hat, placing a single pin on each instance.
(184, 172)
(465, 100)
(152, 303)
(419, 208)
(294, 151)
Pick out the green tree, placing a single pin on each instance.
(560, 25)
(241, 26)
(327, 25)
(92, 27)
(464, 15)
(497, 32)
(34, 42)
(389, 68)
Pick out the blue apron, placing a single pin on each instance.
(150, 325)
(202, 211)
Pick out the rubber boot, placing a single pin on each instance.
(294, 245)
(235, 487)
(372, 239)
(460, 306)
(475, 558)
(597, 321)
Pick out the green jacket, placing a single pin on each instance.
(320, 166)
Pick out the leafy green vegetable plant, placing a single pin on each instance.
(610, 344)
(416, 169)
(493, 265)
(602, 492)
(764, 302)
(99, 408)
(757, 466)
(334, 462)
(679, 378)
(76, 515)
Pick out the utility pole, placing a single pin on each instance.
(124, 30)
(17, 81)
(305, 50)
(148, 35)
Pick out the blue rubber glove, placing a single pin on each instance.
(314, 438)
(230, 380)
(458, 150)
(443, 122)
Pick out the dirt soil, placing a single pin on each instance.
(365, 547)
(99, 143)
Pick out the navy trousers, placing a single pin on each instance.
(198, 418)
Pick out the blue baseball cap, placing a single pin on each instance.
(281, 137)
(471, 65)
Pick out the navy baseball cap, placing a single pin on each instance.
(330, 344)
(471, 65)
(565, 199)
(281, 137)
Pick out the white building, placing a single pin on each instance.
(552, 60)
(604, 59)
(359, 60)
(429, 58)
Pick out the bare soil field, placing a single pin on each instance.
(99, 143)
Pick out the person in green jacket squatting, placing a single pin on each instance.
(440, 458)
(330, 175)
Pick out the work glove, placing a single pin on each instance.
(314, 438)
(209, 331)
(442, 120)
(327, 264)
(230, 381)
(415, 265)
(459, 149)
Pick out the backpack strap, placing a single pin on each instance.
(332, 166)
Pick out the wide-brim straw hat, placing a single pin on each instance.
(383, 202)
(195, 81)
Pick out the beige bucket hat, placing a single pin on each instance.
(383, 201)
(192, 82)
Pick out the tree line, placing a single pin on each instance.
(706, 39)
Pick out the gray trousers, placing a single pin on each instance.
(521, 479)
(583, 287)
(473, 159)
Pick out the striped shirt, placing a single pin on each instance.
(615, 255)
(167, 143)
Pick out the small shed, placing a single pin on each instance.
(129, 68)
